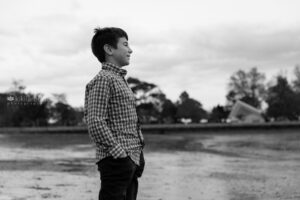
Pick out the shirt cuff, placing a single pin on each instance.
(116, 151)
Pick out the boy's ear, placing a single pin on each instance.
(108, 49)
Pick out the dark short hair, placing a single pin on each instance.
(108, 35)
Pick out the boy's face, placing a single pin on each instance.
(121, 54)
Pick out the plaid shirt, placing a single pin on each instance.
(110, 113)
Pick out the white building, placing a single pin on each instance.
(244, 113)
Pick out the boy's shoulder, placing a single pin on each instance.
(102, 75)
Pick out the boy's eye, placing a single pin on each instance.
(125, 44)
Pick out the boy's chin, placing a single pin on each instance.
(125, 64)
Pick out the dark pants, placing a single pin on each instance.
(119, 178)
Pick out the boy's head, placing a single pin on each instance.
(111, 45)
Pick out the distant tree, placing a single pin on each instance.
(248, 87)
(23, 109)
(183, 97)
(79, 113)
(296, 82)
(168, 114)
(5, 112)
(17, 86)
(60, 97)
(218, 114)
(35, 112)
(62, 114)
(140, 86)
(190, 108)
(147, 113)
(282, 101)
(149, 100)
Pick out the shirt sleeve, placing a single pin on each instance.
(96, 116)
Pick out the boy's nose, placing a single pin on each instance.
(130, 50)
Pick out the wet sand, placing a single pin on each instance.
(252, 165)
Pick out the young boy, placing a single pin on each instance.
(112, 121)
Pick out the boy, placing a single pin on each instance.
(112, 121)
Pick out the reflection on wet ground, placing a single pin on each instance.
(248, 166)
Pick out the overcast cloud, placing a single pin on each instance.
(178, 45)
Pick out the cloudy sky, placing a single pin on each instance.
(191, 45)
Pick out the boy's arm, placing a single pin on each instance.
(96, 116)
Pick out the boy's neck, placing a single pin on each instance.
(112, 61)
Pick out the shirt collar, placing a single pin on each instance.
(113, 68)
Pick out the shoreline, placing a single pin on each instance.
(164, 128)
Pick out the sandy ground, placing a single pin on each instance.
(231, 166)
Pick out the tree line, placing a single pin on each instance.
(279, 99)
(20, 108)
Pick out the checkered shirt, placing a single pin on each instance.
(110, 113)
